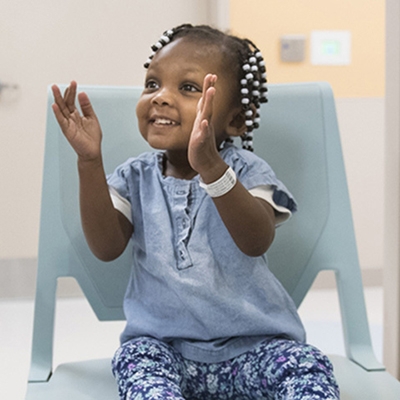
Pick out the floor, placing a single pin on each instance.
(75, 320)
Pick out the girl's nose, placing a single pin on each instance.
(163, 97)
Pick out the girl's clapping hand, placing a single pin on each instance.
(83, 132)
(202, 151)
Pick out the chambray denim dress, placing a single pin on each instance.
(190, 285)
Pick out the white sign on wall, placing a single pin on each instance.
(330, 47)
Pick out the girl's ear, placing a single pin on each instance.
(237, 125)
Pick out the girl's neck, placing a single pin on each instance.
(177, 166)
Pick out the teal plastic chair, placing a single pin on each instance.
(299, 137)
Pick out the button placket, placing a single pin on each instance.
(182, 226)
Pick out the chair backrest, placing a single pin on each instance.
(298, 136)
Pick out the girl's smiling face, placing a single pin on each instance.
(174, 81)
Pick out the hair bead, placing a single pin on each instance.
(256, 86)
(247, 141)
(165, 39)
(157, 46)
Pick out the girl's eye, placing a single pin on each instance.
(151, 85)
(190, 88)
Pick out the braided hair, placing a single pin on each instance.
(245, 60)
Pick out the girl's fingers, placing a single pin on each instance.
(59, 115)
(66, 104)
(208, 104)
(59, 101)
(209, 81)
(205, 107)
(70, 95)
(86, 106)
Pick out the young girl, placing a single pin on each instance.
(206, 319)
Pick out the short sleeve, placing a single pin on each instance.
(120, 203)
(254, 172)
(266, 192)
(119, 189)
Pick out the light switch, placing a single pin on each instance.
(292, 48)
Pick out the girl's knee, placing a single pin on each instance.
(144, 353)
(304, 372)
(281, 355)
(147, 365)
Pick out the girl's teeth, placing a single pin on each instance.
(164, 122)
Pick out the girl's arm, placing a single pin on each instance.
(106, 230)
(249, 220)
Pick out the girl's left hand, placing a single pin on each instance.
(202, 151)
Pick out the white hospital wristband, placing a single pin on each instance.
(221, 186)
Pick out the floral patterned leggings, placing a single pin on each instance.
(146, 368)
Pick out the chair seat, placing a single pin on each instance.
(357, 384)
(85, 380)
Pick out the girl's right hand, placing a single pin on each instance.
(83, 132)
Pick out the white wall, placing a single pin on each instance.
(106, 42)
(48, 41)
(361, 123)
